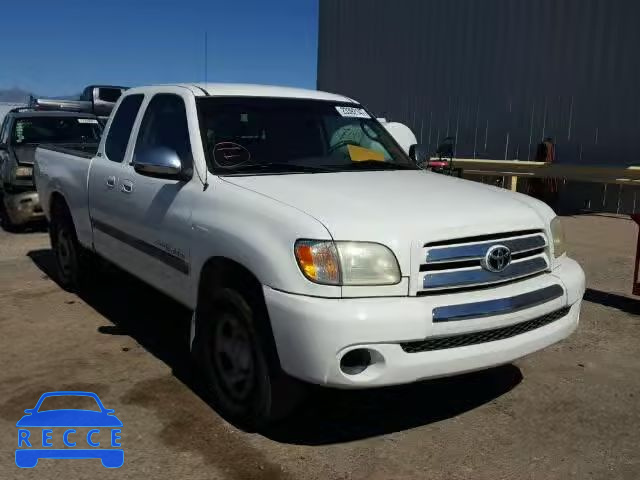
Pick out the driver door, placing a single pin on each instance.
(159, 216)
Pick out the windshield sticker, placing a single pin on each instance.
(361, 154)
(353, 112)
(20, 132)
(88, 120)
(229, 153)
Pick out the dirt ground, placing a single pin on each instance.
(570, 411)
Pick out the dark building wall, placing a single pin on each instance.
(500, 75)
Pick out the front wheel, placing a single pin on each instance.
(5, 219)
(245, 382)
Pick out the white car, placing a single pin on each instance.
(307, 243)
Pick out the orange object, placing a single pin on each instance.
(636, 279)
(361, 154)
(305, 259)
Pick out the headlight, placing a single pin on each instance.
(25, 172)
(347, 263)
(367, 264)
(557, 232)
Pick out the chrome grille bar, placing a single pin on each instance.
(477, 251)
(479, 276)
(498, 306)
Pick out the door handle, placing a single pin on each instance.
(111, 182)
(127, 186)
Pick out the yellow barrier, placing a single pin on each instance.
(582, 173)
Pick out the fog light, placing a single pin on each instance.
(356, 361)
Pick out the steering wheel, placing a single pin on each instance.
(340, 144)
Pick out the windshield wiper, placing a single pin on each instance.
(274, 168)
(367, 164)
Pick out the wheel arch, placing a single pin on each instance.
(220, 272)
(224, 271)
(57, 200)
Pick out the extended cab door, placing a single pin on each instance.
(108, 206)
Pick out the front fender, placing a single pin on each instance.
(256, 232)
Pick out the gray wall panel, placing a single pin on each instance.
(501, 74)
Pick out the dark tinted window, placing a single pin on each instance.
(87, 94)
(165, 125)
(118, 136)
(109, 94)
(34, 130)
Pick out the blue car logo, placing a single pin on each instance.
(104, 430)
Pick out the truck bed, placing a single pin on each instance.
(85, 150)
(66, 166)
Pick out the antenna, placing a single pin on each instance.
(205, 58)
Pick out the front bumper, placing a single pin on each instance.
(23, 207)
(313, 334)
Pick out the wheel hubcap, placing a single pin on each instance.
(233, 356)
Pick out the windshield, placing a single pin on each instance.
(32, 130)
(246, 135)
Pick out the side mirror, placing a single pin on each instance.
(420, 154)
(158, 162)
(29, 410)
(445, 149)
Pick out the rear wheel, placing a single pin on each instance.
(236, 356)
(72, 261)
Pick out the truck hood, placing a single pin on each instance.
(400, 208)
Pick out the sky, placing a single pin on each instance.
(59, 47)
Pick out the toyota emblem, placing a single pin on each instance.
(497, 258)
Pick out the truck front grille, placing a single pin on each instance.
(475, 338)
(458, 264)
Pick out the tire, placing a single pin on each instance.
(5, 220)
(237, 361)
(72, 260)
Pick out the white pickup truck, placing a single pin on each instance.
(307, 243)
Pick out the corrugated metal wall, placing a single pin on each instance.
(500, 75)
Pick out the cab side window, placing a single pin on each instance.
(115, 145)
(87, 94)
(164, 125)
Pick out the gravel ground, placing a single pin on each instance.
(570, 411)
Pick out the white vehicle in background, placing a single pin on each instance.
(307, 243)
